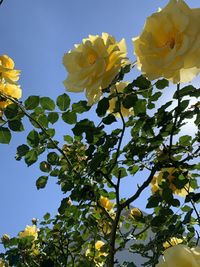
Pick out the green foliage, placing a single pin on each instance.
(90, 163)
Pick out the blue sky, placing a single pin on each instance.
(36, 34)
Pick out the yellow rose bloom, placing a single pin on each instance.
(2, 264)
(93, 64)
(7, 71)
(119, 87)
(172, 242)
(99, 244)
(180, 256)
(169, 45)
(158, 179)
(29, 231)
(8, 89)
(8, 78)
(106, 203)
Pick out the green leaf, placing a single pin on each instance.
(5, 135)
(102, 107)
(109, 119)
(53, 117)
(142, 82)
(52, 158)
(21, 151)
(156, 96)
(47, 103)
(153, 201)
(32, 102)
(185, 140)
(140, 107)
(47, 216)
(68, 139)
(16, 125)
(51, 132)
(11, 111)
(41, 182)
(130, 100)
(161, 84)
(80, 107)
(33, 138)
(63, 102)
(69, 117)
(31, 157)
(189, 90)
(45, 166)
(43, 120)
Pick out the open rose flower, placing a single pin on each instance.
(30, 230)
(7, 71)
(93, 64)
(8, 81)
(169, 45)
(180, 256)
(168, 175)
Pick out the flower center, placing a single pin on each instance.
(171, 42)
(92, 59)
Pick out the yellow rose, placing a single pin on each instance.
(180, 256)
(169, 45)
(29, 231)
(119, 87)
(172, 242)
(93, 64)
(7, 71)
(2, 264)
(158, 179)
(8, 78)
(106, 203)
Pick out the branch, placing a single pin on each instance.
(176, 118)
(1, 2)
(140, 189)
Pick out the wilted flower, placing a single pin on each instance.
(93, 64)
(136, 213)
(169, 45)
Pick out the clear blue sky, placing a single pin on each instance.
(36, 33)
